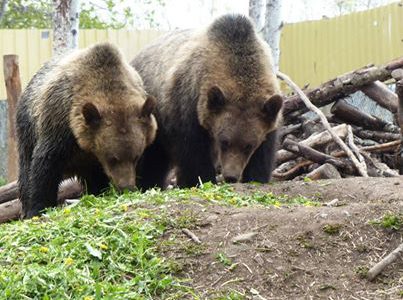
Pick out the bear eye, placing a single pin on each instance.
(113, 161)
(224, 144)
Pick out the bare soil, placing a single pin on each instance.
(296, 252)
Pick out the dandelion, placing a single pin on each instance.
(69, 261)
(125, 207)
(44, 249)
(88, 298)
(103, 246)
(36, 218)
(67, 211)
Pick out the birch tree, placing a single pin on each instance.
(272, 28)
(256, 12)
(65, 25)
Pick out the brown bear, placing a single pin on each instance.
(87, 115)
(218, 104)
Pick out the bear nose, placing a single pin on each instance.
(125, 187)
(231, 179)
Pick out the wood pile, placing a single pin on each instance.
(308, 150)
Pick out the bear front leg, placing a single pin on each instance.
(195, 168)
(45, 175)
(261, 163)
(153, 168)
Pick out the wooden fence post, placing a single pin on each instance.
(398, 75)
(13, 87)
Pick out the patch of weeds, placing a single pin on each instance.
(362, 271)
(186, 219)
(362, 248)
(193, 249)
(305, 240)
(224, 259)
(332, 229)
(98, 249)
(3, 181)
(389, 221)
(307, 179)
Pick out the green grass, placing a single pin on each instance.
(390, 221)
(106, 247)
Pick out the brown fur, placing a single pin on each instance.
(86, 114)
(220, 77)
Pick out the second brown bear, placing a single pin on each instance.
(218, 107)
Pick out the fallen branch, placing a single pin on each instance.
(381, 94)
(11, 210)
(388, 260)
(313, 141)
(8, 192)
(191, 235)
(360, 166)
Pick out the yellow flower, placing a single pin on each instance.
(88, 298)
(36, 218)
(125, 207)
(103, 246)
(97, 211)
(67, 211)
(69, 261)
(44, 249)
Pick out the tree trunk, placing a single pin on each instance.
(13, 87)
(272, 30)
(256, 13)
(3, 5)
(65, 25)
(74, 19)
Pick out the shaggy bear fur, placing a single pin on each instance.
(218, 107)
(85, 114)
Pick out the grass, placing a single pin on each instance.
(389, 221)
(106, 247)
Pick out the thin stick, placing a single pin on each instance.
(191, 235)
(389, 259)
(361, 167)
(354, 148)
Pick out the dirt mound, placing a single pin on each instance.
(295, 252)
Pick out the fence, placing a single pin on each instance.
(312, 52)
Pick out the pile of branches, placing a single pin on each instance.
(310, 147)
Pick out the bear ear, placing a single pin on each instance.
(272, 107)
(148, 106)
(91, 115)
(215, 99)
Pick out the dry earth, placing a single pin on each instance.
(315, 252)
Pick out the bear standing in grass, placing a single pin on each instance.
(85, 114)
(218, 107)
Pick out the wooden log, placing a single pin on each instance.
(381, 148)
(399, 92)
(313, 141)
(13, 87)
(326, 171)
(68, 189)
(353, 115)
(8, 192)
(293, 172)
(343, 85)
(386, 261)
(380, 136)
(10, 210)
(314, 155)
(381, 94)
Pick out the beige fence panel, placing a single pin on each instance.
(34, 46)
(316, 51)
(311, 52)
